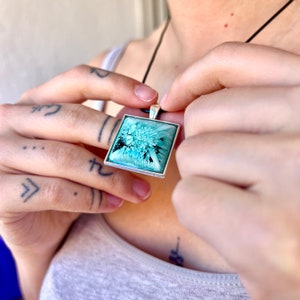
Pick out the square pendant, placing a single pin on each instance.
(142, 145)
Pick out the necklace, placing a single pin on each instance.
(259, 30)
(144, 145)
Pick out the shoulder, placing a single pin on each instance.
(98, 60)
(134, 56)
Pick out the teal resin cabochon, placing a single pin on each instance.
(142, 145)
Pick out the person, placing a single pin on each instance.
(79, 229)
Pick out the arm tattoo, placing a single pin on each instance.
(175, 257)
(99, 72)
(95, 164)
(50, 109)
(30, 188)
(100, 198)
(102, 128)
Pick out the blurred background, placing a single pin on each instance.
(39, 39)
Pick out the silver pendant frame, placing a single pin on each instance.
(134, 167)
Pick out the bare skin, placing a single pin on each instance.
(131, 221)
(194, 30)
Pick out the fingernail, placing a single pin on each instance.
(141, 188)
(163, 99)
(145, 93)
(114, 201)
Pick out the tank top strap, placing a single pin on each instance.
(110, 63)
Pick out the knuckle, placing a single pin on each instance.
(224, 52)
(5, 110)
(199, 109)
(190, 115)
(182, 154)
(52, 192)
(282, 240)
(180, 205)
(76, 72)
(293, 156)
(89, 200)
(64, 156)
(73, 116)
(291, 104)
(115, 179)
(27, 96)
(287, 154)
(5, 153)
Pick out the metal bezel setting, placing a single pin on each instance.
(153, 129)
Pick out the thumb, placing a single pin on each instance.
(232, 65)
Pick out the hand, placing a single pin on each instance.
(49, 175)
(240, 167)
(232, 65)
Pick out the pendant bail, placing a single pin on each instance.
(154, 110)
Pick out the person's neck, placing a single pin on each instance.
(210, 23)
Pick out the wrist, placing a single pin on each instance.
(32, 268)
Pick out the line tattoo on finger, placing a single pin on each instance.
(49, 109)
(116, 125)
(102, 127)
(100, 197)
(30, 189)
(99, 72)
(98, 166)
(92, 197)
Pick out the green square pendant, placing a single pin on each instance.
(142, 145)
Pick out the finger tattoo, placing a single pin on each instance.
(33, 147)
(100, 197)
(99, 72)
(116, 125)
(102, 128)
(48, 109)
(30, 189)
(94, 164)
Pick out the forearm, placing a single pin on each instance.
(31, 272)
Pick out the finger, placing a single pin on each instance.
(72, 162)
(218, 213)
(243, 160)
(239, 224)
(232, 65)
(34, 193)
(86, 82)
(65, 122)
(254, 110)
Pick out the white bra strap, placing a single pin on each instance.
(109, 63)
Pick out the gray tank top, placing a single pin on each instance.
(95, 263)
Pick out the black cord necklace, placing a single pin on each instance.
(261, 28)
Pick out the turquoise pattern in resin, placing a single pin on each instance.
(143, 145)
